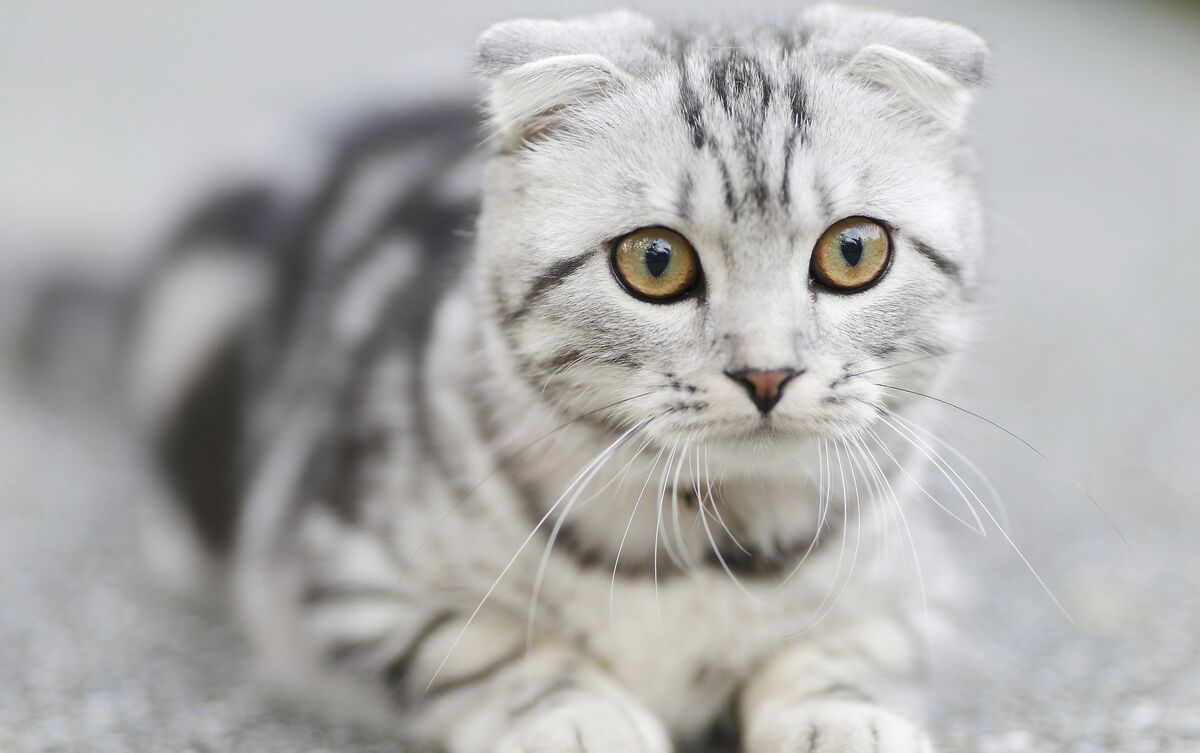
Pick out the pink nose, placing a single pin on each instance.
(764, 387)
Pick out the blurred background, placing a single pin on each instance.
(113, 114)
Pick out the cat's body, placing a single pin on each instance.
(468, 485)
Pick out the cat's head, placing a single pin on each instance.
(729, 230)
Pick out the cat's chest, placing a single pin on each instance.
(682, 647)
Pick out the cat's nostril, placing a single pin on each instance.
(765, 387)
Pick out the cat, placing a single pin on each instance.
(576, 441)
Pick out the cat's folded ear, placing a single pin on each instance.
(538, 70)
(929, 66)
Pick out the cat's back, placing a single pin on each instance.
(275, 293)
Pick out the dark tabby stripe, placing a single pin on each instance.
(321, 593)
(206, 444)
(200, 449)
(801, 122)
(200, 442)
(556, 688)
(554, 275)
(297, 252)
(483, 674)
(944, 264)
(243, 215)
(745, 91)
(395, 672)
(752, 563)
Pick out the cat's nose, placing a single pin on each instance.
(764, 387)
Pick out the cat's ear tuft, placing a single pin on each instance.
(532, 101)
(929, 66)
(538, 70)
(924, 88)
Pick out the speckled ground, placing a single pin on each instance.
(96, 656)
(1090, 350)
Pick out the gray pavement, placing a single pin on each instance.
(1089, 349)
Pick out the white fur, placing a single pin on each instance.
(530, 100)
(916, 82)
(525, 647)
(181, 326)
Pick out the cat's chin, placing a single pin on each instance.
(762, 447)
(757, 434)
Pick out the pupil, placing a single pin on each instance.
(658, 258)
(852, 247)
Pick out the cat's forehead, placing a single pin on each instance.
(718, 38)
(747, 62)
(752, 138)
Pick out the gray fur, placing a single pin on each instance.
(463, 437)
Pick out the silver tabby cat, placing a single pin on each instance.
(580, 441)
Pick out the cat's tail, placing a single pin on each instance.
(60, 331)
(158, 348)
(188, 374)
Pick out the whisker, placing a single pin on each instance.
(678, 528)
(907, 531)
(993, 492)
(560, 370)
(1023, 235)
(618, 477)
(876, 491)
(857, 510)
(716, 550)
(890, 419)
(1033, 571)
(925, 357)
(716, 509)
(821, 513)
(1038, 452)
(621, 547)
(500, 465)
(558, 524)
(900, 466)
(664, 480)
(925, 353)
(818, 615)
(828, 498)
(521, 549)
(1028, 565)
(662, 490)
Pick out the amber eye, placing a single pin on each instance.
(852, 254)
(656, 264)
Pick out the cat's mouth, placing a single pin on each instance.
(748, 431)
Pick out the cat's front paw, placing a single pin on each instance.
(584, 724)
(837, 727)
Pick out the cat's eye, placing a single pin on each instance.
(852, 254)
(656, 264)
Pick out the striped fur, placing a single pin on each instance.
(469, 488)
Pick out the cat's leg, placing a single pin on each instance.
(824, 694)
(485, 690)
(334, 614)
